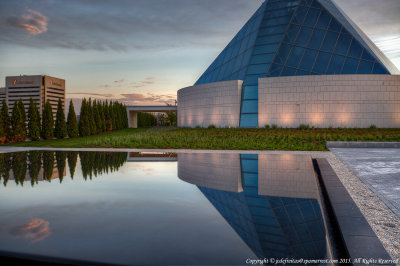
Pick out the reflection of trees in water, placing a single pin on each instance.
(72, 158)
(19, 167)
(61, 156)
(5, 167)
(48, 164)
(26, 165)
(35, 164)
(97, 163)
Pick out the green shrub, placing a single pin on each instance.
(274, 126)
(372, 127)
(211, 126)
(303, 127)
(267, 126)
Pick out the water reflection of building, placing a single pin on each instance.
(275, 207)
(151, 157)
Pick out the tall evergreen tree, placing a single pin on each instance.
(96, 117)
(33, 121)
(72, 124)
(84, 125)
(72, 157)
(93, 126)
(6, 121)
(47, 121)
(107, 116)
(60, 128)
(18, 124)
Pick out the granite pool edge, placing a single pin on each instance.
(360, 240)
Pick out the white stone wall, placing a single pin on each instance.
(330, 100)
(286, 175)
(212, 170)
(215, 103)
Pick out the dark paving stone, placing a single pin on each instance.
(366, 247)
(379, 169)
(347, 210)
(355, 226)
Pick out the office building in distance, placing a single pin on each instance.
(38, 87)
(295, 62)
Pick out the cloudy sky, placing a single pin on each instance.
(143, 51)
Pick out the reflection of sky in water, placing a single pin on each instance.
(141, 214)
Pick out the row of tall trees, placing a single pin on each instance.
(95, 117)
(39, 165)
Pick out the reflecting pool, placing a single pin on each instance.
(161, 208)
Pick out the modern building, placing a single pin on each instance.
(38, 87)
(2, 96)
(295, 62)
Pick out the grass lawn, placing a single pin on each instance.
(233, 138)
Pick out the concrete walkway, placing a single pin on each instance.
(378, 168)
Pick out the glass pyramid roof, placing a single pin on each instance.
(294, 38)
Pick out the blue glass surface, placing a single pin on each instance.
(290, 37)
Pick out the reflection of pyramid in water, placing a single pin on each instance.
(292, 38)
(271, 226)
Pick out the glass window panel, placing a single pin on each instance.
(355, 49)
(365, 67)
(379, 69)
(252, 79)
(304, 36)
(242, 73)
(243, 45)
(302, 73)
(335, 67)
(261, 58)
(229, 69)
(250, 92)
(228, 54)
(277, 13)
(308, 59)
(283, 53)
(275, 21)
(249, 120)
(265, 49)
(295, 56)
(288, 71)
(249, 106)
(334, 25)
(272, 30)
(258, 69)
(312, 17)
(236, 48)
(343, 44)
(330, 41)
(238, 62)
(221, 72)
(268, 39)
(300, 15)
(367, 56)
(316, 4)
(306, 2)
(323, 20)
(246, 58)
(252, 39)
(350, 66)
(274, 70)
(317, 38)
(292, 33)
(322, 62)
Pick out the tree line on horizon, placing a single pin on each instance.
(95, 117)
